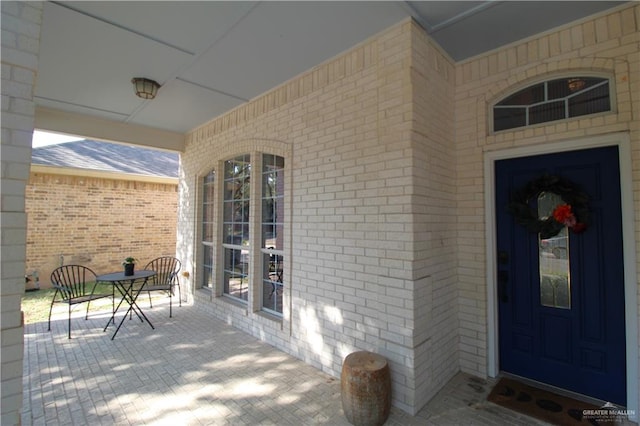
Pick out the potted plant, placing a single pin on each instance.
(129, 266)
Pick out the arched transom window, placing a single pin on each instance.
(552, 100)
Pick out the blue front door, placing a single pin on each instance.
(561, 296)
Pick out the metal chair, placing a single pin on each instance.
(75, 284)
(166, 278)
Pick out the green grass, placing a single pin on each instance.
(36, 304)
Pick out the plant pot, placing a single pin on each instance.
(129, 269)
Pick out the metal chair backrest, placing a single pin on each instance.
(166, 278)
(166, 268)
(74, 281)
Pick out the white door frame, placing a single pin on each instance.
(628, 217)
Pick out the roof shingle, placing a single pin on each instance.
(110, 157)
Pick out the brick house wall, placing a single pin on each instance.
(368, 203)
(385, 147)
(97, 219)
(20, 48)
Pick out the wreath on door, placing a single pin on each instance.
(572, 213)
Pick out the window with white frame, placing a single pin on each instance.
(265, 288)
(208, 223)
(552, 100)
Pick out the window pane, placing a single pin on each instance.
(236, 273)
(229, 237)
(237, 167)
(268, 185)
(590, 102)
(241, 234)
(244, 208)
(207, 207)
(549, 111)
(272, 282)
(272, 210)
(268, 210)
(530, 95)
(207, 267)
(269, 237)
(577, 84)
(267, 161)
(207, 212)
(508, 118)
(228, 190)
(272, 236)
(210, 177)
(236, 211)
(208, 224)
(558, 89)
(555, 283)
(272, 232)
(208, 192)
(207, 231)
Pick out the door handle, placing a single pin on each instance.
(503, 279)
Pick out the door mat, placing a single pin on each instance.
(548, 406)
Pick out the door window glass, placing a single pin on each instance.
(555, 280)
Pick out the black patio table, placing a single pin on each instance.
(125, 285)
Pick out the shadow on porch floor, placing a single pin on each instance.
(195, 370)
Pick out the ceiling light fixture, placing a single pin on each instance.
(145, 88)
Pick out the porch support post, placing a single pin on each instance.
(21, 23)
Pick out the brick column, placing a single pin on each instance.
(21, 23)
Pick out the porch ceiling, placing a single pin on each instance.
(210, 56)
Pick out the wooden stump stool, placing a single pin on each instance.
(366, 389)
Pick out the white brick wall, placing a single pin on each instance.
(433, 207)
(345, 130)
(385, 148)
(20, 48)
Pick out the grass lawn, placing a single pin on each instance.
(36, 304)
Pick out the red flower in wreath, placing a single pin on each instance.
(563, 214)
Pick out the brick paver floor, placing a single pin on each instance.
(195, 370)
